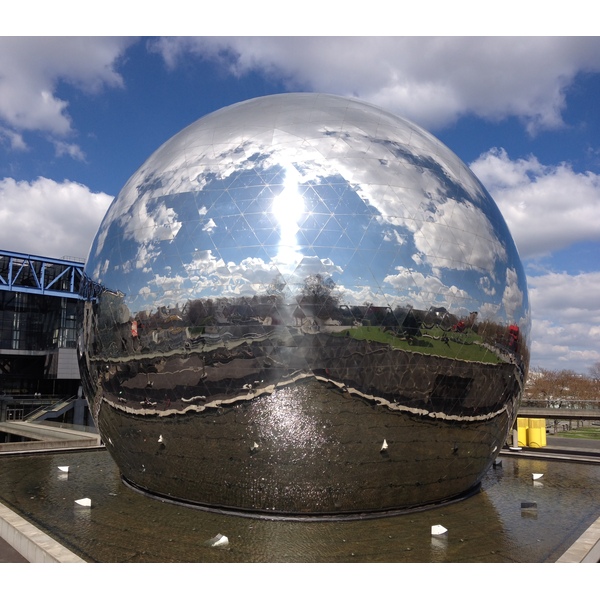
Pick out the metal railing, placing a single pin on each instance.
(564, 408)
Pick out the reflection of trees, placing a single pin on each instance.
(263, 308)
(318, 298)
(317, 307)
(112, 324)
(199, 311)
(276, 287)
(507, 339)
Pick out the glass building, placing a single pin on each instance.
(38, 325)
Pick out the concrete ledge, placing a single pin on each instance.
(7, 447)
(34, 545)
(586, 549)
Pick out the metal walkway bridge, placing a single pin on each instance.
(40, 275)
(63, 277)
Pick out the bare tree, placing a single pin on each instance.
(595, 371)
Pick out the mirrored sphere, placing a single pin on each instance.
(302, 305)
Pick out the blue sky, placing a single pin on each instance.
(78, 116)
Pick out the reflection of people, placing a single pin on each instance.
(459, 327)
(513, 337)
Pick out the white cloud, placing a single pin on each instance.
(432, 81)
(72, 150)
(566, 320)
(15, 140)
(547, 208)
(32, 68)
(49, 218)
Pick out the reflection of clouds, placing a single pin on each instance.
(458, 236)
(145, 254)
(100, 269)
(312, 265)
(425, 290)
(210, 275)
(524, 323)
(143, 225)
(359, 191)
(209, 226)
(364, 296)
(512, 299)
(487, 287)
(488, 312)
(391, 235)
(393, 165)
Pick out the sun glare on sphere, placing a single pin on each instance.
(288, 208)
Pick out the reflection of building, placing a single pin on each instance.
(38, 333)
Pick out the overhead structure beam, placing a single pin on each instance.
(40, 275)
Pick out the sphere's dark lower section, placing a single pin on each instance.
(304, 449)
(275, 516)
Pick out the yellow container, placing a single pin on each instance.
(543, 426)
(522, 426)
(534, 437)
(536, 433)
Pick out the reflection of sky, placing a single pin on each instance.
(294, 185)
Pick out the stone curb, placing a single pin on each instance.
(33, 544)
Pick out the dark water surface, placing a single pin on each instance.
(124, 526)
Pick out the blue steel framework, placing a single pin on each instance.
(39, 297)
(40, 275)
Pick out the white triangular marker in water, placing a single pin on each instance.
(537, 475)
(64, 469)
(384, 446)
(438, 530)
(160, 439)
(219, 540)
(84, 502)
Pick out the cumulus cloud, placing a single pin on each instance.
(32, 69)
(567, 320)
(12, 138)
(49, 218)
(432, 81)
(547, 208)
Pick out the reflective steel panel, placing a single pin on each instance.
(306, 306)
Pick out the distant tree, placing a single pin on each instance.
(562, 385)
(595, 371)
